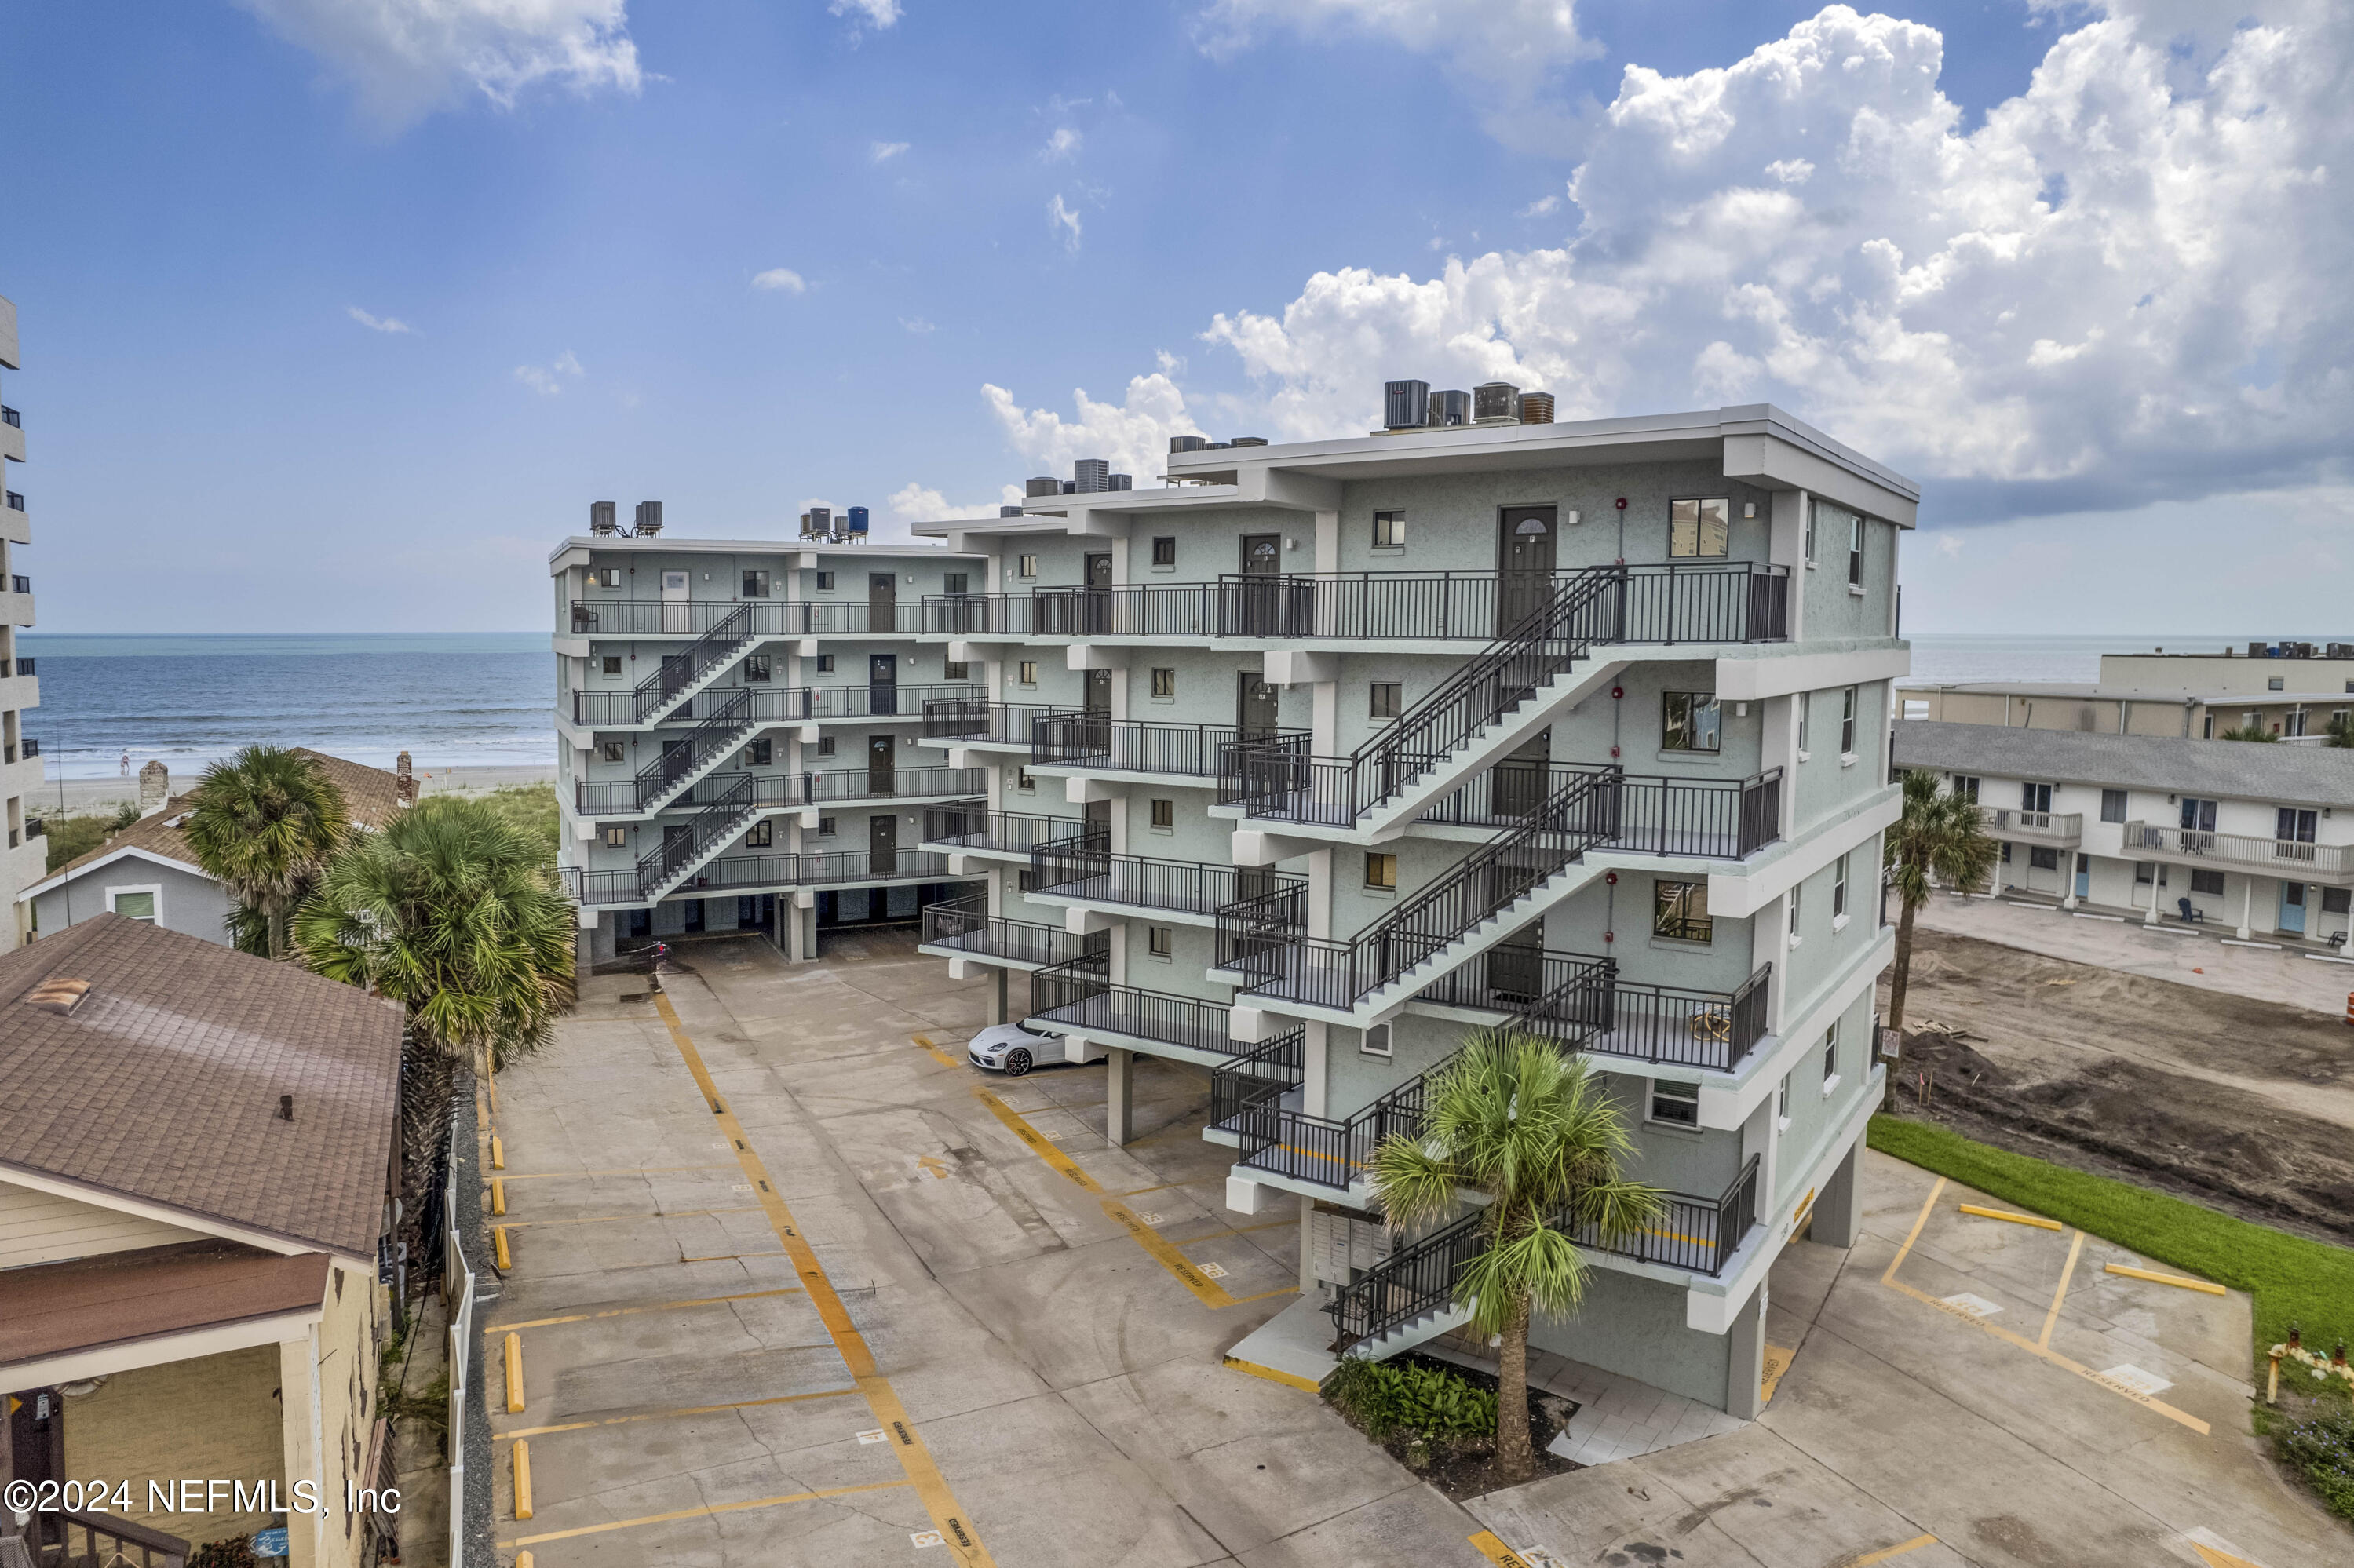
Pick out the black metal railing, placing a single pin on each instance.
(676, 671)
(1078, 995)
(620, 797)
(1084, 868)
(1137, 746)
(977, 614)
(29, 746)
(1242, 1085)
(975, 826)
(678, 617)
(10, 416)
(16, 503)
(1576, 814)
(858, 617)
(728, 723)
(779, 705)
(699, 837)
(25, 666)
(1658, 815)
(977, 719)
(740, 873)
(969, 928)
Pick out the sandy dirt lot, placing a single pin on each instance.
(2234, 1101)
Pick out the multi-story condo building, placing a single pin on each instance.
(736, 724)
(1319, 756)
(2235, 836)
(25, 858)
(2290, 689)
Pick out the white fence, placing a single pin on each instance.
(458, 1297)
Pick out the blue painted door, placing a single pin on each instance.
(2084, 876)
(2291, 907)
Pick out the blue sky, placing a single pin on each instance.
(331, 326)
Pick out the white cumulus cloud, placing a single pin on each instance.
(405, 58)
(1507, 52)
(884, 152)
(2130, 282)
(864, 13)
(549, 379)
(1064, 143)
(378, 323)
(1062, 222)
(916, 502)
(782, 281)
(1133, 434)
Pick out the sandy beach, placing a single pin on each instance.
(79, 796)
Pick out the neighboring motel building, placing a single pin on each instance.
(27, 853)
(737, 727)
(2292, 690)
(1317, 758)
(2237, 834)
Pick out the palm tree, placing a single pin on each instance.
(262, 824)
(2342, 730)
(1536, 1134)
(1940, 836)
(2249, 731)
(450, 912)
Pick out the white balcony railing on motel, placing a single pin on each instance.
(2292, 858)
(2050, 827)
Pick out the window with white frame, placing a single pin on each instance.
(1375, 1042)
(1855, 554)
(1389, 530)
(1838, 889)
(1805, 712)
(1830, 1053)
(135, 902)
(1678, 1105)
(617, 838)
(606, 577)
(1849, 701)
(1028, 567)
(1797, 892)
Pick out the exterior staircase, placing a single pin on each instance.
(680, 855)
(703, 749)
(704, 660)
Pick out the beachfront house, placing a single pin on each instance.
(147, 871)
(2242, 837)
(736, 724)
(197, 1159)
(1306, 763)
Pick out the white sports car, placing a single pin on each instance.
(1014, 1048)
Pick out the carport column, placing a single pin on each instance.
(1839, 1207)
(2247, 906)
(1120, 1096)
(2067, 878)
(2151, 919)
(1744, 1372)
(997, 995)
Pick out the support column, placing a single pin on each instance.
(2247, 907)
(1120, 1096)
(997, 987)
(2068, 878)
(1744, 1370)
(1839, 1207)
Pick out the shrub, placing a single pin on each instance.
(2323, 1447)
(1386, 1398)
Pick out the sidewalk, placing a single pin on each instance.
(2117, 939)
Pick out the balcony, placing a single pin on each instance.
(2290, 859)
(1134, 746)
(1085, 871)
(751, 872)
(23, 750)
(769, 617)
(18, 584)
(778, 705)
(974, 721)
(976, 827)
(25, 666)
(620, 797)
(1703, 602)
(2063, 828)
(1580, 1003)
(1080, 997)
(967, 930)
(1704, 818)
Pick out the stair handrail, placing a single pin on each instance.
(707, 830)
(1414, 1281)
(1273, 1070)
(659, 689)
(730, 719)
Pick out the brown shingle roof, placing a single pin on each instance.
(163, 1082)
(371, 798)
(119, 1297)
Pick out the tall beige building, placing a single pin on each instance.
(26, 857)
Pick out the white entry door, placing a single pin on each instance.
(675, 613)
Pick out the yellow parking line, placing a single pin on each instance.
(914, 1458)
(1899, 1549)
(630, 1170)
(1487, 1544)
(672, 1415)
(619, 1219)
(943, 1057)
(2037, 1221)
(631, 1311)
(1289, 1380)
(700, 1513)
(1915, 1234)
(2051, 1319)
(2156, 1278)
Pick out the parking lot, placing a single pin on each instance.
(794, 1284)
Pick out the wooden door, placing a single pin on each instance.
(1525, 541)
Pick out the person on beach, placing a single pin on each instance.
(126, 764)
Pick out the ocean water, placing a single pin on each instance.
(449, 700)
(484, 698)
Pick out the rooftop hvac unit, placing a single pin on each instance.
(1247, 441)
(820, 520)
(1044, 484)
(2257, 650)
(858, 521)
(1187, 444)
(2341, 651)
(1089, 476)
(1121, 482)
(649, 517)
(1536, 408)
(604, 517)
(1497, 400)
(1450, 409)
(1011, 509)
(1405, 405)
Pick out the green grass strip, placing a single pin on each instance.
(2292, 1279)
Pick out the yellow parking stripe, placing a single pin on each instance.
(2051, 1319)
(1899, 1549)
(700, 1513)
(1272, 1374)
(1495, 1551)
(2037, 1221)
(672, 1415)
(2156, 1278)
(631, 1311)
(914, 1458)
(628, 1171)
(621, 1219)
